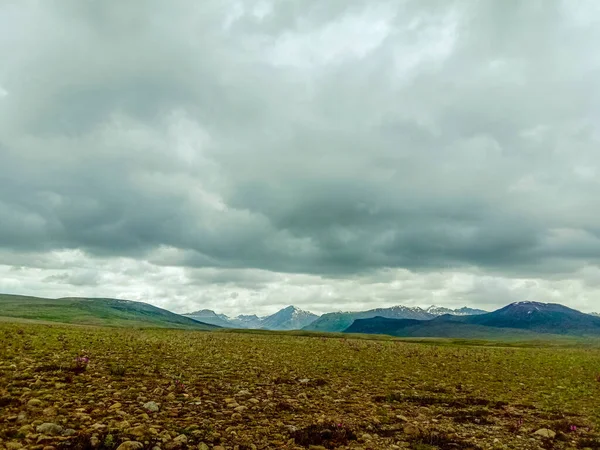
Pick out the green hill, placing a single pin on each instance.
(95, 311)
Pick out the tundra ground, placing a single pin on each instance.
(76, 387)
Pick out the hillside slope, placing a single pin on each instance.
(95, 311)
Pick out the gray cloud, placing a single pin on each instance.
(244, 142)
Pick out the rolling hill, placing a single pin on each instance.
(516, 319)
(339, 321)
(95, 311)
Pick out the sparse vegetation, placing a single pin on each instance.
(186, 389)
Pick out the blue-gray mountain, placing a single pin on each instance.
(293, 318)
(290, 318)
(339, 321)
(518, 319)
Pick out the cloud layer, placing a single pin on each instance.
(248, 155)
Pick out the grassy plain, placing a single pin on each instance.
(229, 390)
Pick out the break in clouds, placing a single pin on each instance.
(243, 156)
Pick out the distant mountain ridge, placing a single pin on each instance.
(289, 318)
(293, 318)
(340, 321)
(521, 318)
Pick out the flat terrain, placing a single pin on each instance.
(242, 390)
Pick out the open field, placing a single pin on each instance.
(228, 390)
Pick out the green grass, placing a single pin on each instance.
(100, 312)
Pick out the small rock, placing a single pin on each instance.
(202, 446)
(182, 438)
(546, 433)
(139, 431)
(411, 430)
(243, 393)
(34, 403)
(218, 447)
(179, 442)
(69, 432)
(151, 406)
(131, 445)
(50, 429)
(94, 442)
(240, 409)
(115, 406)
(50, 412)
(49, 447)
(13, 445)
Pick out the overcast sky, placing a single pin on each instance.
(332, 154)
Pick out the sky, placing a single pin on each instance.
(243, 156)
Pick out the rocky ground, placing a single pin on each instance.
(76, 388)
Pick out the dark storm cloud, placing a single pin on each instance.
(303, 137)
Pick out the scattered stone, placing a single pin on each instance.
(139, 431)
(94, 442)
(49, 429)
(115, 407)
(34, 403)
(411, 430)
(202, 446)
(69, 432)
(151, 406)
(181, 439)
(131, 445)
(545, 433)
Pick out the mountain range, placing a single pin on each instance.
(289, 318)
(339, 321)
(293, 318)
(517, 319)
(527, 320)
